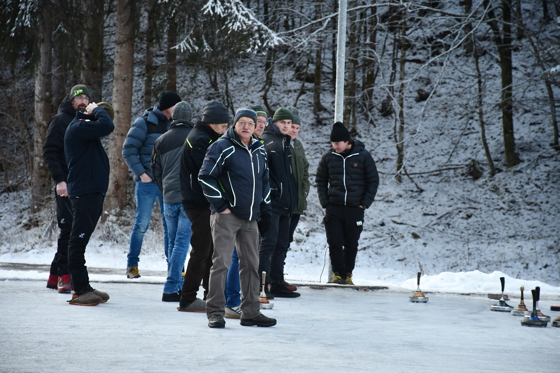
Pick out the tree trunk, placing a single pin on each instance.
(318, 72)
(369, 56)
(400, 98)
(269, 74)
(350, 95)
(43, 86)
(171, 57)
(122, 103)
(92, 49)
(149, 58)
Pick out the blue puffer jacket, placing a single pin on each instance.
(235, 176)
(139, 142)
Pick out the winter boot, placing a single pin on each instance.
(280, 291)
(233, 313)
(65, 284)
(198, 305)
(349, 279)
(52, 282)
(101, 294)
(216, 321)
(290, 287)
(260, 320)
(337, 279)
(171, 297)
(87, 299)
(132, 272)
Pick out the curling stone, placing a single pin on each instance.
(540, 315)
(533, 318)
(521, 309)
(502, 306)
(265, 303)
(418, 296)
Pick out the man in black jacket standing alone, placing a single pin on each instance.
(88, 180)
(53, 154)
(347, 182)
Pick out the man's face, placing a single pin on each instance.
(244, 128)
(261, 124)
(340, 146)
(284, 125)
(294, 131)
(219, 128)
(80, 102)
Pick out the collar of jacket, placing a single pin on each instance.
(181, 123)
(155, 116)
(66, 107)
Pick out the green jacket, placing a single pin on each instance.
(301, 173)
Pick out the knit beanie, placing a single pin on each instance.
(168, 99)
(79, 89)
(281, 114)
(245, 112)
(182, 111)
(295, 113)
(260, 110)
(108, 108)
(339, 133)
(215, 112)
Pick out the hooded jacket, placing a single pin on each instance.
(283, 190)
(53, 150)
(300, 165)
(88, 163)
(347, 179)
(166, 160)
(139, 142)
(235, 176)
(192, 157)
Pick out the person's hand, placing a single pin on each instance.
(145, 178)
(90, 107)
(264, 224)
(225, 212)
(61, 189)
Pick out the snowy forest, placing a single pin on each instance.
(456, 100)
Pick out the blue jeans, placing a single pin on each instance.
(233, 287)
(178, 238)
(146, 194)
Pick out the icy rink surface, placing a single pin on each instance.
(331, 330)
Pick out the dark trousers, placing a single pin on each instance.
(198, 268)
(59, 265)
(86, 210)
(343, 225)
(274, 246)
(294, 220)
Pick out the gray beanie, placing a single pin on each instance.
(295, 113)
(182, 111)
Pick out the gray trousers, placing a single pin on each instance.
(228, 230)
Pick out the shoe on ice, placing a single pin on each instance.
(216, 321)
(132, 272)
(87, 299)
(337, 279)
(52, 282)
(279, 291)
(233, 313)
(197, 306)
(349, 280)
(171, 297)
(290, 287)
(64, 284)
(260, 320)
(101, 294)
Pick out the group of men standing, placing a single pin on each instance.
(234, 193)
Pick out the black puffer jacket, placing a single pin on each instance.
(192, 156)
(166, 160)
(235, 176)
(347, 179)
(53, 150)
(283, 189)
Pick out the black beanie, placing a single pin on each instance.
(168, 99)
(79, 89)
(215, 112)
(339, 133)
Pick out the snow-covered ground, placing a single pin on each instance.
(328, 330)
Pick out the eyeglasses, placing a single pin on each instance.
(82, 97)
(261, 121)
(243, 124)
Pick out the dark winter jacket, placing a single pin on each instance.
(235, 176)
(283, 190)
(166, 160)
(192, 157)
(301, 172)
(88, 164)
(53, 150)
(139, 142)
(347, 179)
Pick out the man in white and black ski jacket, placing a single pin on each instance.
(347, 182)
(234, 178)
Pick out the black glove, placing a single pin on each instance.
(264, 224)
